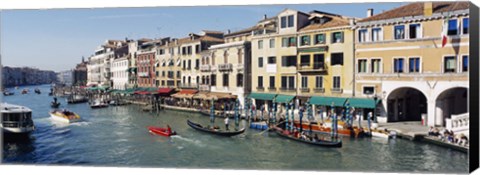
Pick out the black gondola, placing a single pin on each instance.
(37, 91)
(5, 93)
(324, 143)
(220, 133)
(55, 105)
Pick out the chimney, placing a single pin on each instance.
(369, 12)
(351, 21)
(228, 31)
(427, 8)
(265, 16)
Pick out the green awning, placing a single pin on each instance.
(327, 101)
(284, 98)
(362, 103)
(262, 96)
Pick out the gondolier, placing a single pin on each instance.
(226, 123)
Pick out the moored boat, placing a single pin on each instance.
(76, 99)
(16, 120)
(161, 131)
(7, 93)
(65, 116)
(383, 134)
(37, 91)
(317, 142)
(98, 104)
(214, 131)
(25, 91)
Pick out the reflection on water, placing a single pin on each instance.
(118, 136)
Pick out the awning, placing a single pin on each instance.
(327, 101)
(220, 95)
(186, 93)
(362, 103)
(283, 98)
(164, 91)
(201, 95)
(262, 96)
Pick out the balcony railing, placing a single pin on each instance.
(305, 89)
(319, 90)
(336, 90)
(272, 88)
(205, 68)
(188, 85)
(204, 87)
(260, 88)
(286, 89)
(225, 67)
(315, 67)
(458, 123)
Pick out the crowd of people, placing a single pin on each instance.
(448, 136)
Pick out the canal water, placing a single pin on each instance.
(117, 136)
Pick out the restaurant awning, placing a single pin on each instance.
(201, 95)
(362, 103)
(220, 95)
(164, 91)
(284, 98)
(327, 101)
(185, 93)
(262, 96)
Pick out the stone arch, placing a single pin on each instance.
(406, 104)
(450, 101)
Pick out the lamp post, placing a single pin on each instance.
(375, 98)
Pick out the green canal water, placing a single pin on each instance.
(118, 136)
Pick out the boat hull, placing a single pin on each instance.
(62, 118)
(323, 143)
(220, 133)
(161, 131)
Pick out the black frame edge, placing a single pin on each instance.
(474, 91)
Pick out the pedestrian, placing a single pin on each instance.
(226, 123)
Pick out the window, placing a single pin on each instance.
(178, 74)
(271, 60)
(260, 44)
(414, 65)
(304, 82)
(189, 50)
(163, 82)
(450, 64)
(290, 21)
(336, 59)
(213, 80)
(415, 31)
(465, 63)
(452, 27)
(377, 34)
(184, 50)
(197, 63)
(197, 48)
(320, 38)
(318, 82)
(189, 64)
(272, 82)
(465, 24)
(337, 37)
(398, 65)
(225, 80)
(283, 21)
(284, 42)
(336, 82)
(305, 40)
(239, 80)
(368, 90)
(161, 51)
(288, 61)
(260, 61)
(291, 82)
(292, 41)
(260, 82)
(362, 35)
(399, 32)
(272, 43)
(305, 60)
(163, 73)
(362, 66)
(375, 68)
(284, 82)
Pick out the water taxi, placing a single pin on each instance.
(16, 120)
(65, 116)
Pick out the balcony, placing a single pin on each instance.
(170, 76)
(107, 74)
(225, 67)
(336, 90)
(272, 89)
(188, 85)
(240, 67)
(260, 88)
(143, 74)
(319, 90)
(204, 68)
(305, 89)
(316, 67)
(204, 87)
(287, 89)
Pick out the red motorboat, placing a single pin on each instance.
(162, 131)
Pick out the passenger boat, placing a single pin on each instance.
(214, 131)
(98, 104)
(37, 91)
(65, 116)
(16, 120)
(325, 143)
(7, 93)
(161, 131)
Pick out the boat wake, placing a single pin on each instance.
(195, 142)
(81, 123)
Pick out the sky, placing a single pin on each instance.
(57, 39)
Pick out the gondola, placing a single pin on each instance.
(216, 132)
(6, 93)
(55, 104)
(324, 143)
(37, 91)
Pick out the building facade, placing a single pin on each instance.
(400, 59)
(80, 74)
(120, 73)
(146, 65)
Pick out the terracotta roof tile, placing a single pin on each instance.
(334, 22)
(416, 9)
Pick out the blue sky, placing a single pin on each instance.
(56, 39)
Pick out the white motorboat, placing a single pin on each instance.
(65, 116)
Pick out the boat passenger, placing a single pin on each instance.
(315, 138)
(169, 130)
(226, 123)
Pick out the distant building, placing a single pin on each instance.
(65, 77)
(98, 67)
(80, 74)
(19, 76)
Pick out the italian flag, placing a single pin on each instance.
(444, 32)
